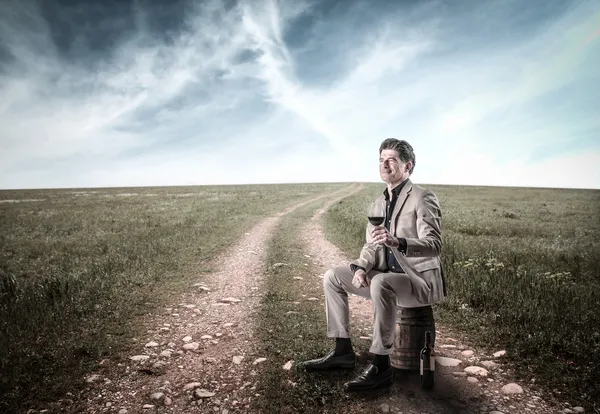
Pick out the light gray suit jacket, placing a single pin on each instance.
(417, 217)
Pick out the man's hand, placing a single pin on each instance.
(381, 235)
(360, 279)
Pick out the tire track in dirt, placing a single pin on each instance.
(214, 319)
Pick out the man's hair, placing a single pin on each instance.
(403, 148)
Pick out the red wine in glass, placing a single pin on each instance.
(376, 214)
(376, 220)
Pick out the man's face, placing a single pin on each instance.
(391, 169)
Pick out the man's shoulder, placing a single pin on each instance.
(421, 190)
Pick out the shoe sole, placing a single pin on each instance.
(386, 383)
(330, 368)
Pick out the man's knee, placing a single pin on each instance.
(375, 285)
(329, 278)
(334, 278)
(379, 286)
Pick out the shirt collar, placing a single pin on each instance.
(395, 191)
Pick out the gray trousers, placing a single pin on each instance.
(386, 291)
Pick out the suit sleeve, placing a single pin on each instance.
(429, 228)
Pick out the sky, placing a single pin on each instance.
(118, 93)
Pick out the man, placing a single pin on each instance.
(399, 265)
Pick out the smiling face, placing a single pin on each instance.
(391, 168)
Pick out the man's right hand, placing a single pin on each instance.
(360, 279)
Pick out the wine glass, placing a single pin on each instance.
(376, 214)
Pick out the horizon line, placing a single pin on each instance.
(293, 183)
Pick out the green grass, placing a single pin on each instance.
(523, 269)
(77, 269)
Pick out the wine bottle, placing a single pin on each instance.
(427, 363)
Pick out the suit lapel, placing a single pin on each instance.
(402, 197)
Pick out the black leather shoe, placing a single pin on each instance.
(371, 379)
(331, 361)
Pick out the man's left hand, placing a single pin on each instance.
(381, 235)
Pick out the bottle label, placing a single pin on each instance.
(432, 363)
(421, 366)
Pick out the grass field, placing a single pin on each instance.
(78, 266)
(523, 269)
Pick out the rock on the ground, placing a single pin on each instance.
(512, 388)
(165, 354)
(237, 359)
(288, 365)
(151, 344)
(202, 393)
(499, 353)
(122, 411)
(384, 408)
(447, 362)
(192, 346)
(475, 370)
(489, 364)
(227, 325)
(467, 353)
(459, 373)
(229, 300)
(298, 278)
(187, 339)
(139, 358)
(157, 397)
(92, 378)
(259, 360)
(191, 386)
(472, 380)
(495, 412)
(579, 409)
(168, 401)
(147, 406)
(159, 365)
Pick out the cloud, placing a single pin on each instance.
(518, 75)
(72, 110)
(579, 170)
(303, 90)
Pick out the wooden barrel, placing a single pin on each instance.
(411, 325)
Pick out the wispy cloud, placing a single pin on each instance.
(270, 91)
